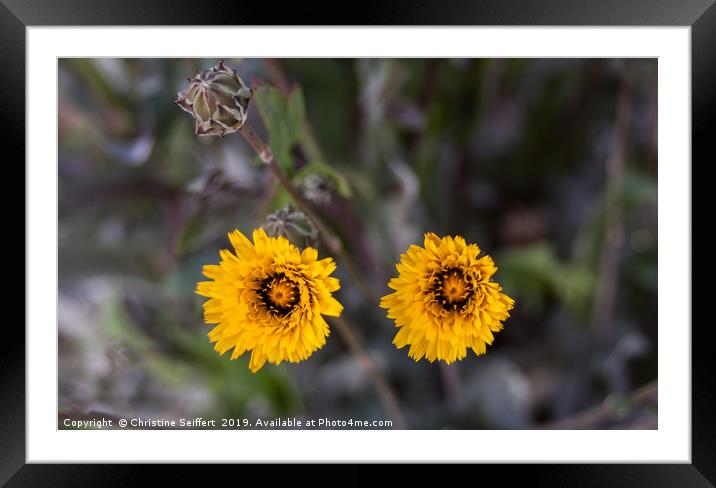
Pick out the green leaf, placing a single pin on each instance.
(534, 272)
(296, 113)
(284, 119)
(528, 274)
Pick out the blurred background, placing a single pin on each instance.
(549, 165)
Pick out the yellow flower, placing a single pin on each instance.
(269, 298)
(444, 301)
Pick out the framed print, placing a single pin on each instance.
(467, 239)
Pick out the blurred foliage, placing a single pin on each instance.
(509, 153)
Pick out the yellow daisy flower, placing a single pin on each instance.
(444, 301)
(269, 298)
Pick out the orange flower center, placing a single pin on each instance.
(279, 294)
(452, 290)
(282, 294)
(454, 287)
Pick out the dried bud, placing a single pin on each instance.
(217, 99)
(293, 225)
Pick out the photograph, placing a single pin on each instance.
(357, 243)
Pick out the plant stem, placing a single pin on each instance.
(607, 284)
(383, 389)
(606, 414)
(332, 242)
(327, 236)
(385, 393)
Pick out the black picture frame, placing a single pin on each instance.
(16, 15)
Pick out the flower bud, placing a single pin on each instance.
(317, 189)
(293, 225)
(217, 99)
